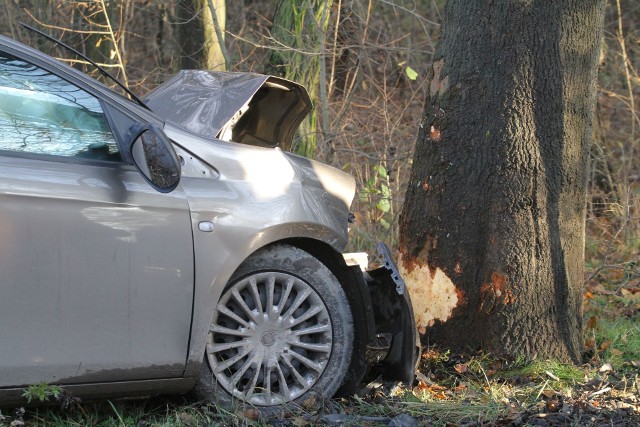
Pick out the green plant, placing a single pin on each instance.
(377, 190)
(41, 392)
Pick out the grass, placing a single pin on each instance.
(156, 412)
(613, 334)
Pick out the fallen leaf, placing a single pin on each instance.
(185, 419)
(308, 403)
(606, 368)
(461, 368)
(617, 274)
(299, 421)
(460, 388)
(599, 289)
(592, 323)
(548, 394)
(251, 414)
(437, 387)
(605, 345)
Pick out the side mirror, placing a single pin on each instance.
(157, 162)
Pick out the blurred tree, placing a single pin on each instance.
(298, 39)
(492, 232)
(201, 34)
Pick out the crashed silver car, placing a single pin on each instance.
(170, 245)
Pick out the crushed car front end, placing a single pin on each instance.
(230, 127)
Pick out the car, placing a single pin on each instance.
(171, 245)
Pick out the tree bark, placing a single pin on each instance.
(197, 35)
(492, 231)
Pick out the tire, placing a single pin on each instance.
(273, 355)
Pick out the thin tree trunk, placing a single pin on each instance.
(298, 31)
(197, 35)
(492, 232)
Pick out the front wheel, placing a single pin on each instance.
(282, 333)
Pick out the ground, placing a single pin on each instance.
(473, 389)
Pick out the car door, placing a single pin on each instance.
(96, 267)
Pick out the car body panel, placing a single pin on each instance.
(253, 196)
(97, 274)
(248, 108)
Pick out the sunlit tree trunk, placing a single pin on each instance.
(298, 33)
(492, 232)
(202, 44)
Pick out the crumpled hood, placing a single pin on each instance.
(248, 108)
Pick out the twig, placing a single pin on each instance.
(56, 27)
(542, 389)
(553, 377)
(599, 392)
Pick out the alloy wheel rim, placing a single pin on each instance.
(270, 338)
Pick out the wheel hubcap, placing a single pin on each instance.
(270, 338)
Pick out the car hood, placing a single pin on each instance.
(249, 108)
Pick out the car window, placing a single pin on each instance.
(44, 114)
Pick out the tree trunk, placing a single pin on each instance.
(298, 32)
(197, 35)
(492, 232)
(349, 42)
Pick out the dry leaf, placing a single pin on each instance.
(548, 393)
(606, 368)
(616, 352)
(461, 368)
(251, 414)
(460, 388)
(599, 289)
(308, 403)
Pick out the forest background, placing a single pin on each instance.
(365, 63)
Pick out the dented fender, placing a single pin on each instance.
(386, 341)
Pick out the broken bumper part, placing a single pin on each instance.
(386, 340)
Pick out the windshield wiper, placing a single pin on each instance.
(101, 69)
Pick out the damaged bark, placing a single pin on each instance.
(492, 232)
